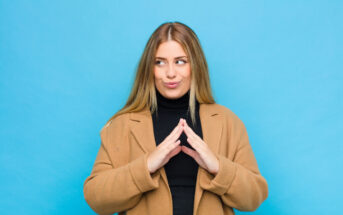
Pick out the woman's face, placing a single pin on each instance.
(172, 70)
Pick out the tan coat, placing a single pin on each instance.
(120, 180)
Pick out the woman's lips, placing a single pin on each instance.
(172, 85)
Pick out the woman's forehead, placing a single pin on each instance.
(170, 49)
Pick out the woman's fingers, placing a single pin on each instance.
(175, 134)
(165, 150)
(194, 140)
(172, 146)
(174, 152)
(194, 155)
(169, 147)
(189, 151)
(178, 133)
(161, 155)
(189, 132)
(175, 129)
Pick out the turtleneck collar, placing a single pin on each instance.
(179, 103)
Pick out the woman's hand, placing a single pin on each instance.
(202, 154)
(166, 150)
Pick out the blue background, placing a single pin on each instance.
(67, 66)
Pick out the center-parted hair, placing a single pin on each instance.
(143, 94)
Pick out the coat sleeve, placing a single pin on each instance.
(111, 188)
(238, 181)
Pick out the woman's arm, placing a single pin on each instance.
(238, 181)
(111, 188)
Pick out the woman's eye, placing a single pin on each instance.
(159, 62)
(181, 61)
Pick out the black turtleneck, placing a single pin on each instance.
(181, 169)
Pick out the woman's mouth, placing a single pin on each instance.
(172, 85)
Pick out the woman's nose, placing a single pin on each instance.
(171, 73)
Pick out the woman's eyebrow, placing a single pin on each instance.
(162, 58)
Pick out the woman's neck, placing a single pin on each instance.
(166, 103)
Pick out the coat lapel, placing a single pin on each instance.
(142, 130)
(211, 129)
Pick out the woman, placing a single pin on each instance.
(171, 149)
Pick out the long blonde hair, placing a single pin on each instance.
(143, 92)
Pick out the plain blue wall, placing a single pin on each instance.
(67, 66)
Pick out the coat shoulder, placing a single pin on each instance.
(227, 113)
(222, 110)
(116, 123)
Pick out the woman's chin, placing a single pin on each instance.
(173, 94)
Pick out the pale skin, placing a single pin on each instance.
(172, 66)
